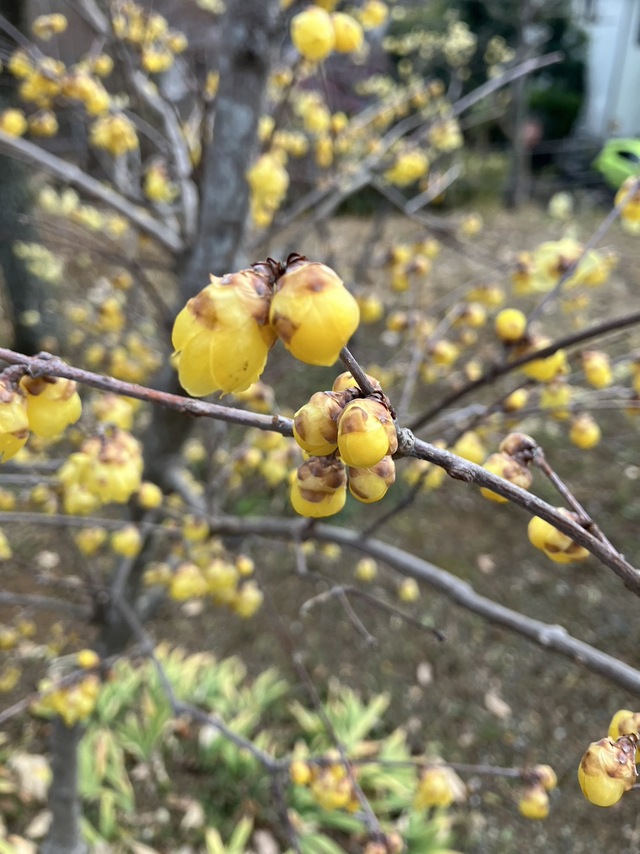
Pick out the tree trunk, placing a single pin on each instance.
(248, 41)
(27, 293)
(64, 835)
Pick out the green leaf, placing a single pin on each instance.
(240, 836)
(318, 843)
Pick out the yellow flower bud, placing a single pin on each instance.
(300, 772)
(409, 167)
(534, 802)
(547, 369)
(127, 541)
(345, 380)
(557, 546)
(88, 659)
(320, 487)
(313, 313)
(90, 539)
(13, 122)
(408, 590)
(597, 368)
(315, 425)
(510, 469)
(312, 33)
(366, 569)
(14, 422)
(247, 600)
(371, 484)
(545, 776)
(585, 432)
(149, 495)
(510, 325)
(43, 123)
(439, 786)
(46, 26)
(469, 446)
(222, 336)
(373, 14)
(624, 722)
(608, 770)
(348, 33)
(556, 396)
(366, 433)
(188, 582)
(52, 404)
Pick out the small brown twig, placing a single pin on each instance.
(499, 369)
(540, 461)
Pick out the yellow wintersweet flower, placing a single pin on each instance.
(313, 313)
(629, 194)
(348, 33)
(410, 166)
(52, 404)
(439, 786)
(534, 803)
(115, 133)
(46, 26)
(312, 33)
(13, 122)
(319, 488)
(222, 336)
(608, 770)
(366, 433)
(373, 14)
(14, 423)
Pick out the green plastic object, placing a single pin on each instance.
(618, 160)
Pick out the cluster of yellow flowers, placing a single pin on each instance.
(316, 33)
(512, 329)
(608, 768)
(329, 783)
(40, 261)
(223, 335)
(511, 462)
(534, 801)
(268, 182)
(106, 468)
(409, 166)
(67, 203)
(73, 702)
(540, 271)
(150, 33)
(43, 405)
(409, 263)
(361, 431)
(210, 574)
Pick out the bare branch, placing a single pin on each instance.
(22, 149)
(548, 636)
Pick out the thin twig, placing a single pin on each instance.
(44, 603)
(68, 173)
(548, 636)
(499, 369)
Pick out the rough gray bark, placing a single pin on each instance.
(248, 40)
(26, 292)
(64, 801)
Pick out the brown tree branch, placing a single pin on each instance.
(548, 636)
